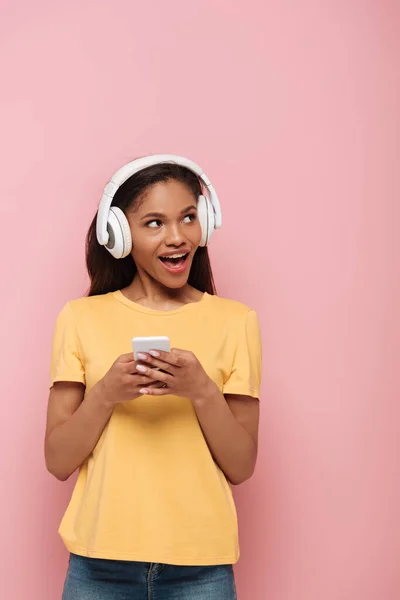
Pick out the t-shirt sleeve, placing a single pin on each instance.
(66, 362)
(245, 376)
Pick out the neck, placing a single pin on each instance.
(152, 294)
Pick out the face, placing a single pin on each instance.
(165, 233)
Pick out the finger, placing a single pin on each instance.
(124, 358)
(155, 391)
(173, 358)
(129, 368)
(147, 360)
(153, 384)
(155, 374)
(156, 385)
(137, 380)
(127, 362)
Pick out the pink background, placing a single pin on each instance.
(292, 108)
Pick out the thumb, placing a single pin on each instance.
(124, 358)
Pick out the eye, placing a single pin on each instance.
(190, 218)
(154, 223)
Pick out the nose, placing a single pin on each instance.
(174, 235)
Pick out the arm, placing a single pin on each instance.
(76, 421)
(74, 425)
(230, 427)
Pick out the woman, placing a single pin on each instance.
(159, 441)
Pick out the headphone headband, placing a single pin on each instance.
(139, 165)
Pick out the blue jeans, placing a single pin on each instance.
(100, 579)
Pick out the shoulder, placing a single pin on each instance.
(89, 304)
(238, 322)
(91, 301)
(229, 307)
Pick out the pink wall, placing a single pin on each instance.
(292, 108)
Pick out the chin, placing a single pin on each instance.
(174, 283)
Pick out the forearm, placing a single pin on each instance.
(68, 445)
(231, 445)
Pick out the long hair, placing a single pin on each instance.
(108, 274)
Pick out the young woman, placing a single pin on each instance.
(159, 441)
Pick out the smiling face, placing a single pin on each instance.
(165, 233)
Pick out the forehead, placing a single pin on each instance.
(165, 197)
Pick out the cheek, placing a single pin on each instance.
(143, 246)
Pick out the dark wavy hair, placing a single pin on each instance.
(108, 274)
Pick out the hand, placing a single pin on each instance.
(123, 382)
(181, 375)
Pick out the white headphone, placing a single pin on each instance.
(112, 227)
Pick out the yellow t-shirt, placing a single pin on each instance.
(151, 491)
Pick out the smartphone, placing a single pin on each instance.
(144, 344)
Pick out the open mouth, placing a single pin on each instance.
(176, 262)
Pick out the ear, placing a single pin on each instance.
(120, 242)
(205, 214)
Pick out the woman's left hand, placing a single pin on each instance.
(185, 375)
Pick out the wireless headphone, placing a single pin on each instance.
(112, 227)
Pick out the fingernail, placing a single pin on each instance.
(154, 353)
(142, 356)
(143, 391)
(141, 368)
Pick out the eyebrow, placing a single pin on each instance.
(158, 215)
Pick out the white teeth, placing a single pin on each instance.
(174, 256)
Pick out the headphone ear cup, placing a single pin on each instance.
(120, 240)
(205, 214)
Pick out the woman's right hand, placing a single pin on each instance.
(122, 382)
